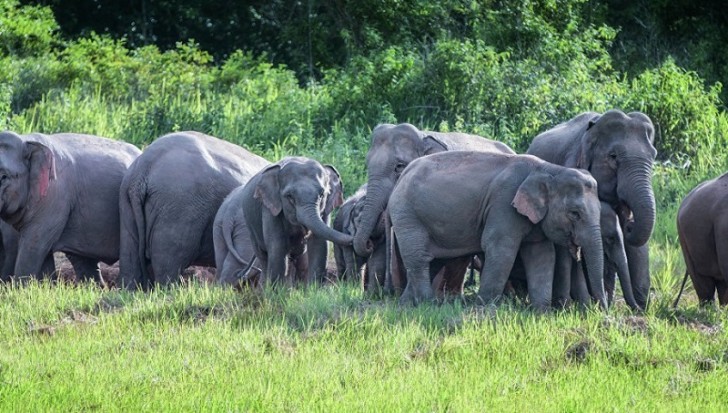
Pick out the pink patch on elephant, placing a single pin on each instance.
(47, 173)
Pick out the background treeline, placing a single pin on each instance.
(313, 77)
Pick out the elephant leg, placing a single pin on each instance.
(722, 288)
(638, 260)
(579, 288)
(417, 263)
(85, 268)
(539, 259)
(10, 250)
(562, 277)
(609, 282)
(317, 254)
(500, 254)
(396, 278)
(33, 250)
(300, 268)
(375, 269)
(48, 271)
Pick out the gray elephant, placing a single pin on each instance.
(286, 206)
(615, 262)
(456, 204)
(169, 198)
(702, 226)
(234, 251)
(348, 263)
(61, 193)
(617, 149)
(392, 148)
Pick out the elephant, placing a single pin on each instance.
(233, 242)
(615, 261)
(392, 148)
(702, 226)
(372, 269)
(456, 204)
(617, 149)
(286, 206)
(60, 192)
(348, 263)
(168, 201)
(234, 253)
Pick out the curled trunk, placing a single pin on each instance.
(635, 189)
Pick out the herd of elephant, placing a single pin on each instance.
(554, 225)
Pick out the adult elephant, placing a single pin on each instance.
(702, 226)
(61, 193)
(617, 149)
(392, 148)
(169, 198)
(457, 204)
(285, 208)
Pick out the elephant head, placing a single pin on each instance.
(303, 191)
(566, 207)
(617, 149)
(392, 148)
(26, 170)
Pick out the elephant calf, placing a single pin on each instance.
(371, 269)
(702, 226)
(455, 204)
(286, 206)
(570, 280)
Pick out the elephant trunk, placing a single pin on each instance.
(619, 258)
(310, 217)
(593, 252)
(378, 192)
(635, 189)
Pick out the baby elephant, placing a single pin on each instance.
(286, 206)
(615, 261)
(455, 204)
(702, 225)
(348, 262)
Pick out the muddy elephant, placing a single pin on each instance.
(169, 198)
(456, 204)
(286, 206)
(702, 226)
(392, 148)
(61, 193)
(574, 286)
(234, 246)
(617, 149)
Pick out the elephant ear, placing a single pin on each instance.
(433, 145)
(336, 190)
(588, 140)
(268, 190)
(42, 166)
(531, 198)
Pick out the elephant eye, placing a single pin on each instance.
(399, 167)
(289, 197)
(574, 215)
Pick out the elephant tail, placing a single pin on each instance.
(227, 235)
(137, 196)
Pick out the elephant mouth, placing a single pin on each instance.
(574, 250)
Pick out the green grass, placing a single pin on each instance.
(204, 348)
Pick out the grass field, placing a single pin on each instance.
(196, 347)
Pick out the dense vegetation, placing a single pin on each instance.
(313, 78)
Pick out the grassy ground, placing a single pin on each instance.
(196, 347)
